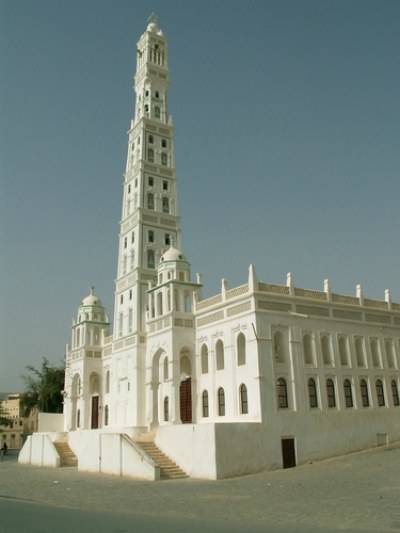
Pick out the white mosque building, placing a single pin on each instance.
(257, 376)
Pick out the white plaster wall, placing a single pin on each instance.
(39, 450)
(111, 453)
(241, 448)
(50, 422)
(232, 376)
(190, 446)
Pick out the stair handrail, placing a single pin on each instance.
(143, 454)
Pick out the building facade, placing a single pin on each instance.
(17, 426)
(257, 376)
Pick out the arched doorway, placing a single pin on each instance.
(158, 361)
(75, 393)
(94, 385)
(185, 387)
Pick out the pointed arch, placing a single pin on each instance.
(330, 393)
(312, 393)
(243, 400)
(221, 402)
(219, 353)
(204, 359)
(204, 403)
(241, 349)
(282, 393)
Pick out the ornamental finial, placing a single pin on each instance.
(92, 290)
(153, 18)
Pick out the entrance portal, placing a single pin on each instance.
(288, 453)
(95, 412)
(185, 398)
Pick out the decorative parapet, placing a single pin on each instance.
(345, 299)
(237, 291)
(294, 301)
(269, 287)
(208, 302)
(307, 293)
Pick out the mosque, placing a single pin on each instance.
(258, 376)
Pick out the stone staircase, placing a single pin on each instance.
(67, 456)
(168, 469)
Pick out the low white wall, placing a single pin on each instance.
(39, 450)
(111, 453)
(241, 448)
(50, 422)
(190, 446)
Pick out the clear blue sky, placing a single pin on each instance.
(287, 146)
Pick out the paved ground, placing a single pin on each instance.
(356, 493)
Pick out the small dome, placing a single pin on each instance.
(91, 299)
(172, 254)
(152, 27)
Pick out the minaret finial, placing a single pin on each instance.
(153, 18)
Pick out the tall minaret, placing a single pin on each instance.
(149, 222)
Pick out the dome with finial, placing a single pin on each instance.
(172, 254)
(152, 24)
(91, 299)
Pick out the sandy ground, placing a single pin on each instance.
(355, 493)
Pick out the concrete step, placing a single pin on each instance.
(168, 469)
(67, 456)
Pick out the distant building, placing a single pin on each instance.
(256, 376)
(14, 432)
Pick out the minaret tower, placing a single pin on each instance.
(149, 222)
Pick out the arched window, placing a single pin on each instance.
(312, 393)
(165, 204)
(244, 404)
(187, 302)
(343, 352)
(151, 263)
(160, 303)
(375, 353)
(330, 392)
(308, 350)
(219, 351)
(360, 352)
(389, 353)
(76, 386)
(278, 347)
(241, 349)
(166, 409)
(151, 139)
(150, 201)
(395, 393)
(106, 415)
(107, 381)
(221, 402)
(157, 112)
(78, 418)
(164, 159)
(165, 369)
(78, 337)
(326, 350)
(364, 393)
(204, 359)
(150, 155)
(282, 395)
(204, 398)
(348, 393)
(380, 393)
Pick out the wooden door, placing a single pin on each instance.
(288, 453)
(95, 412)
(185, 397)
